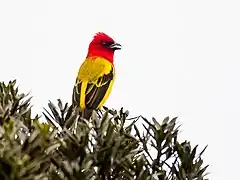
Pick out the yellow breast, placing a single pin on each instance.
(93, 68)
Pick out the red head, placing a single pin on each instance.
(104, 46)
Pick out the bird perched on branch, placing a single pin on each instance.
(96, 75)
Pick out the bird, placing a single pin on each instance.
(96, 75)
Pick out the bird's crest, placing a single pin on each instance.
(102, 36)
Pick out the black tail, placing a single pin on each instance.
(86, 113)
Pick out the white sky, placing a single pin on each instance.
(179, 58)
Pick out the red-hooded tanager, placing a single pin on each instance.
(96, 75)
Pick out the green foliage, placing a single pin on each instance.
(109, 146)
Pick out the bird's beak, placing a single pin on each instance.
(115, 46)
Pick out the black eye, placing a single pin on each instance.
(106, 43)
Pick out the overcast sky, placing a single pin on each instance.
(179, 58)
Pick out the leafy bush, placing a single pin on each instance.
(109, 146)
